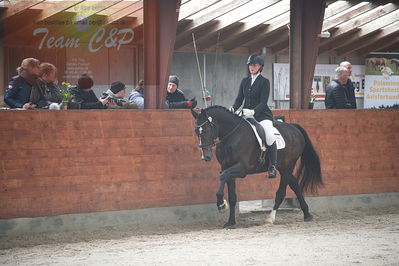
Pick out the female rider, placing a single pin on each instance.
(254, 91)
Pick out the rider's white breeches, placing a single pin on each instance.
(269, 130)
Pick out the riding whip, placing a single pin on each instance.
(199, 72)
(216, 60)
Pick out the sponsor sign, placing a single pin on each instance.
(381, 80)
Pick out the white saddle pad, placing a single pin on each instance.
(280, 142)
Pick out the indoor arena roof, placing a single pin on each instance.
(350, 27)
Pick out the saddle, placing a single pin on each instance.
(261, 136)
(259, 132)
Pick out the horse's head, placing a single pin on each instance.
(207, 132)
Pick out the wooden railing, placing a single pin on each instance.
(60, 162)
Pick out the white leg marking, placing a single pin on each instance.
(272, 217)
(202, 152)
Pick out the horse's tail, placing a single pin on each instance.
(309, 171)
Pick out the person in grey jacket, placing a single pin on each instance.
(137, 95)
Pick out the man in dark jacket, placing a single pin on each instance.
(175, 98)
(19, 92)
(349, 84)
(84, 96)
(336, 93)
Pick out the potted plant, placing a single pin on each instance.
(66, 94)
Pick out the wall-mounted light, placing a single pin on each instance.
(324, 34)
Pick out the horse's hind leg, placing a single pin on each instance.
(280, 195)
(304, 206)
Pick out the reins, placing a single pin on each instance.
(217, 129)
(231, 132)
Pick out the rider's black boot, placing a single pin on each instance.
(272, 150)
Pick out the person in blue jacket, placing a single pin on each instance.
(24, 91)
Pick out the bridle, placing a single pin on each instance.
(214, 132)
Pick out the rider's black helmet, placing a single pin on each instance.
(255, 59)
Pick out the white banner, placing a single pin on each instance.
(323, 75)
(382, 80)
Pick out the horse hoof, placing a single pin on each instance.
(308, 218)
(269, 220)
(229, 226)
(224, 207)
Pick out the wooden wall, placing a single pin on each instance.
(60, 162)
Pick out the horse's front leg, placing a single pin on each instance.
(220, 202)
(231, 188)
(228, 176)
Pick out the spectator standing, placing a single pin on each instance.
(349, 84)
(337, 96)
(175, 98)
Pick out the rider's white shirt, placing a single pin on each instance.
(254, 77)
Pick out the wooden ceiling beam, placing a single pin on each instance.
(206, 17)
(280, 47)
(393, 48)
(15, 8)
(379, 45)
(352, 26)
(135, 7)
(363, 41)
(190, 8)
(37, 14)
(337, 7)
(115, 8)
(230, 44)
(250, 25)
(214, 39)
(210, 14)
(271, 40)
(360, 32)
(139, 18)
(349, 13)
(228, 20)
(280, 24)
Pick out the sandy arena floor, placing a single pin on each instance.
(358, 237)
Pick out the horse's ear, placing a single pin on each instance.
(194, 113)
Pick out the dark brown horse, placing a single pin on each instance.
(238, 154)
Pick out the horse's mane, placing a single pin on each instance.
(219, 107)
